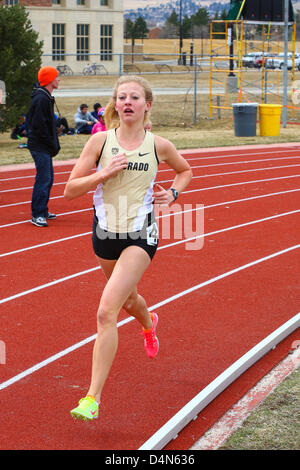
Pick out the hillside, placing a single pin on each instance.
(155, 12)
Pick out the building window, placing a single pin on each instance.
(11, 2)
(82, 41)
(55, 2)
(58, 41)
(104, 3)
(80, 2)
(106, 45)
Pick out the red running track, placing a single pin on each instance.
(51, 286)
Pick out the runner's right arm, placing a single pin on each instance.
(80, 181)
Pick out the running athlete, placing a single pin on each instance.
(125, 234)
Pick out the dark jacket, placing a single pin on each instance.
(42, 131)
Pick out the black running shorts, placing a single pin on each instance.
(108, 245)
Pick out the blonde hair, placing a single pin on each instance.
(111, 116)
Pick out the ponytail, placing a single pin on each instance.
(111, 116)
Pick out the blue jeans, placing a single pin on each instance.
(84, 129)
(43, 183)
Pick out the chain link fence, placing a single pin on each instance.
(183, 85)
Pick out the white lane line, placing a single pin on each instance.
(48, 284)
(59, 240)
(224, 275)
(13, 204)
(57, 215)
(33, 176)
(40, 245)
(240, 183)
(167, 181)
(64, 352)
(179, 242)
(237, 163)
(184, 192)
(212, 205)
(171, 169)
(191, 410)
(246, 154)
(26, 188)
(234, 227)
(242, 171)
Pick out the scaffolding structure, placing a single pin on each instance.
(230, 79)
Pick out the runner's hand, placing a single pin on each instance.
(162, 197)
(116, 164)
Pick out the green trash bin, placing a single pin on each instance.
(245, 117)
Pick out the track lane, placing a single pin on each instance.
(65, 381)
(16, 215)
(231, 152)
(217, 256)
(14, 184)
(196, 162)
(14, 172)
(69, 376)
(46, 258)
(20, 198)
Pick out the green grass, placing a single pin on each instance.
(275, 424)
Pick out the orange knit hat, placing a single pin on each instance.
(46, 75)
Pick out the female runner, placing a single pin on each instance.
(125, 234)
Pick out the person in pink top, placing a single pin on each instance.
(99, 126)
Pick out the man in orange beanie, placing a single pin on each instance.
(43, 143)
(47, 75)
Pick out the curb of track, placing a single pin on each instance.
(191, 410)
(234, 418)
(31, 166)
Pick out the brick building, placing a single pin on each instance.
(77, 32)
(155, 33)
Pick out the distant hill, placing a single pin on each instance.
(156, 12)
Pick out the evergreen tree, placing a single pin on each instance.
(173, 19)
(128, 29)
(20, 59)
(201, 17)
(186, 27)
(140, 27)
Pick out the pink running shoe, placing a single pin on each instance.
(150, 339)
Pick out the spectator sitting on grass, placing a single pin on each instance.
(62, 125)
(99, 126)
(84, 121)
(97, 107)
(21, 129)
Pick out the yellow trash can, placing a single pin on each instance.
(269, 119)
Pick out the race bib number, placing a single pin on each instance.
(152, 234)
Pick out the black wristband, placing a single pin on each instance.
(175, 193)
